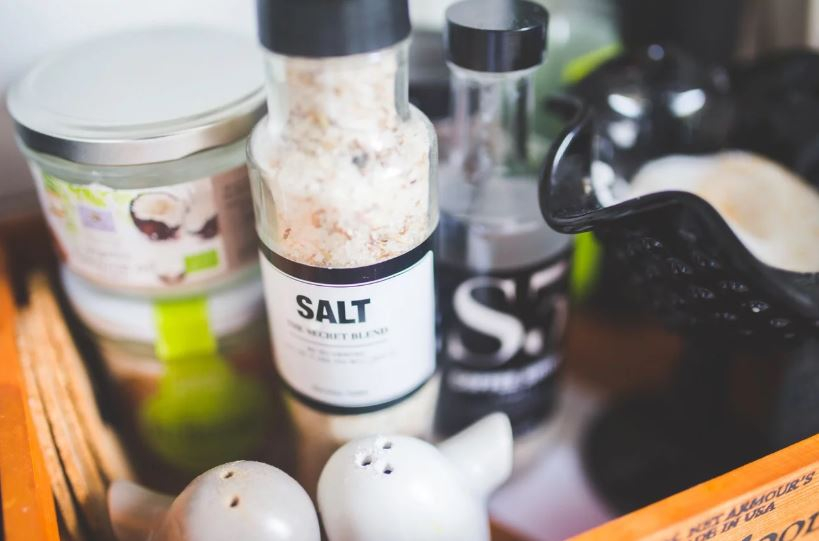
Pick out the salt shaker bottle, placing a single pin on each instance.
(343, 179)
(502, 271)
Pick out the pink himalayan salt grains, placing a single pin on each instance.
(348, 177)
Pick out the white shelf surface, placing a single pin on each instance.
(553, 500)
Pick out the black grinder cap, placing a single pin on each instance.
(326, 28)
(496, 35)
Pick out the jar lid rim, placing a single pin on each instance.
(140, 97)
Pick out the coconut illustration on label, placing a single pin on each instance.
(201, 219)
(158, 215)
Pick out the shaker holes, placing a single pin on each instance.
(227, 475)
(387, 445)
(388, 469)
(235, 501)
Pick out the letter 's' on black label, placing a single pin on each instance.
(499, 341)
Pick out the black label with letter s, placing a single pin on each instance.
(499, 340)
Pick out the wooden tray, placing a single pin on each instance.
(773, 499)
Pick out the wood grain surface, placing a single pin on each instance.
(28, 505)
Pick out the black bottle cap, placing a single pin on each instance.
(496, 35)
(323, 28)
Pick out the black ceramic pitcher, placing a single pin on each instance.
(679, 257)
(682, 258)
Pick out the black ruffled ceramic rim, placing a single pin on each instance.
(580, 211)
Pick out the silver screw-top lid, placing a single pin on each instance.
(141, 97)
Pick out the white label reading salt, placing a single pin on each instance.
(353, 345)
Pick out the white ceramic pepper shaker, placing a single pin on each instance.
(404, 489)
(247, 501)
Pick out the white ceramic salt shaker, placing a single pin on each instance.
(247, 501)
(403, 489)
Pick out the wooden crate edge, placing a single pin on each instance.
(28, 506)
(757, 502)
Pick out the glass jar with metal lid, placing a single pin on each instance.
(136, 142)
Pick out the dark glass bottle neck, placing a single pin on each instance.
(492, 116)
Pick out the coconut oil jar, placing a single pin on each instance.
(136, 143)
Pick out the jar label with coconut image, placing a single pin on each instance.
(353, 339)
(151, 239)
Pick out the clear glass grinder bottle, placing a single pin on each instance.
(502, 271)
(343, 174)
